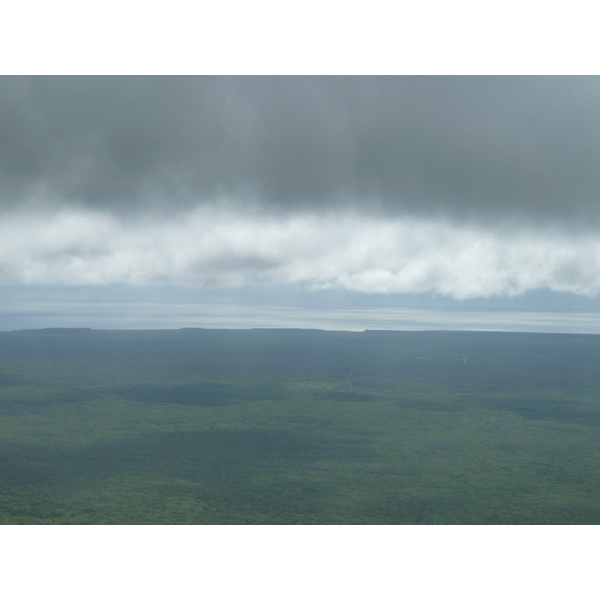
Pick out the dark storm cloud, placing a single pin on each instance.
(459, 146)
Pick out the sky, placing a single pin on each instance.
(323, 194)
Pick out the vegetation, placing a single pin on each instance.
(298, 426)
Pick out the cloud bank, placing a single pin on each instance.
(212, 246)
(463, 186)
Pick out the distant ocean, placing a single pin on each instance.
(37, 314)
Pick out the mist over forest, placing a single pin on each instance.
(207, 426)
(299, 300)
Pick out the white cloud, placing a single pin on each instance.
(214, 246)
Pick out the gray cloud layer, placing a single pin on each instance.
(469, 187)
(462, 147)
